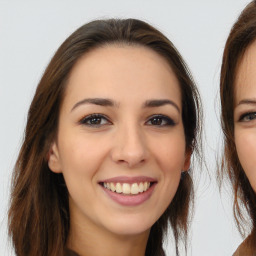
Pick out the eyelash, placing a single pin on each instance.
(246, 116)
(88, 120)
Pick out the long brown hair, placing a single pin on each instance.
(242, 34)
(39, 212)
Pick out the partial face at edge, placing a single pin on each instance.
(120, 123)
(245, 113)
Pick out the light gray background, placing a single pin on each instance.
(30, 33)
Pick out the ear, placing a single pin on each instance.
(53, 159)
(187, 160)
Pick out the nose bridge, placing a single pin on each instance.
(130, 145)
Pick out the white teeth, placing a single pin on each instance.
(112, 187)
(126, 188)
(141, 187)
(134, 189)
(118, 188)
(145, 186)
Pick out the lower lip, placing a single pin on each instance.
(130, 200)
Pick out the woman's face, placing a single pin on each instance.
(120, 143)
(245, 113)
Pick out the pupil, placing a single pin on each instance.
(156, 121)
(95, 120)
(252, 116)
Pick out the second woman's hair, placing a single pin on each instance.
(242, 35)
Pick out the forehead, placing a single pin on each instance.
(119, 69)
(245, 79)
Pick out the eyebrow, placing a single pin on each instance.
(95, 101)
(159, 103)
(110, 103)
(247, 102)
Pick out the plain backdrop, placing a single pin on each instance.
(30, 33)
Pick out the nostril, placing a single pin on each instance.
(129, 151)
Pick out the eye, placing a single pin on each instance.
(95, 120)
(160, 120)
(247, 117)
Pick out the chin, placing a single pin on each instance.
(130, 226)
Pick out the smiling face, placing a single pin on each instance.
(121, 143)
(245, 113)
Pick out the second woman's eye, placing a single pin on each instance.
(95, 120)
(247, 117)
(160, 120)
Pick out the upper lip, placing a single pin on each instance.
(129, 180)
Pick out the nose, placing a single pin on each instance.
(129, 147)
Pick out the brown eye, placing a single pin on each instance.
(160, 120)
(95, 120)
(156, 121)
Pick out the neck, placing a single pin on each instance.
(88, 239)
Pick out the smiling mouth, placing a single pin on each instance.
(126, 188)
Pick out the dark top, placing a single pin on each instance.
(70, 253)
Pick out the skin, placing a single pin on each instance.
(126, 142)
(245, 113)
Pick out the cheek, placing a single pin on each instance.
(171, 159)
(80, 158)
(170, 154)
(246, 150)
